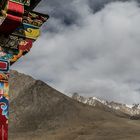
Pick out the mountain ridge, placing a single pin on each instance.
(39, 112)
(131, 110)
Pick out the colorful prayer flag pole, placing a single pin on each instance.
(19, 28)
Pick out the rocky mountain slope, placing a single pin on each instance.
(39, 112)
(131, 110)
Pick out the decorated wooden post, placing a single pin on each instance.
(19, 28)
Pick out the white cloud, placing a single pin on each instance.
(98, 56)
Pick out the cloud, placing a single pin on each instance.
(93, 53)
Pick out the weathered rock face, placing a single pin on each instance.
(131, 110)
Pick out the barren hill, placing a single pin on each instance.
(39, 112)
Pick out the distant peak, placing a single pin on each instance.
(131, 110)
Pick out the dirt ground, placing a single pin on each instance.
(119, 130)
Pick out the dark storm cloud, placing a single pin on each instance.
(63, 10)
(66, 10)
(97, 5)
(93, 53)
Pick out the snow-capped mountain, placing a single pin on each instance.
(132, 110)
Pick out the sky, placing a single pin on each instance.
(91, 47)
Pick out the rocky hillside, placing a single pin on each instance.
(131, 110)
(39, 112)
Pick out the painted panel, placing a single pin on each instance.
(10, 41)
(27, 31)
(14, 47)
(34, 18)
